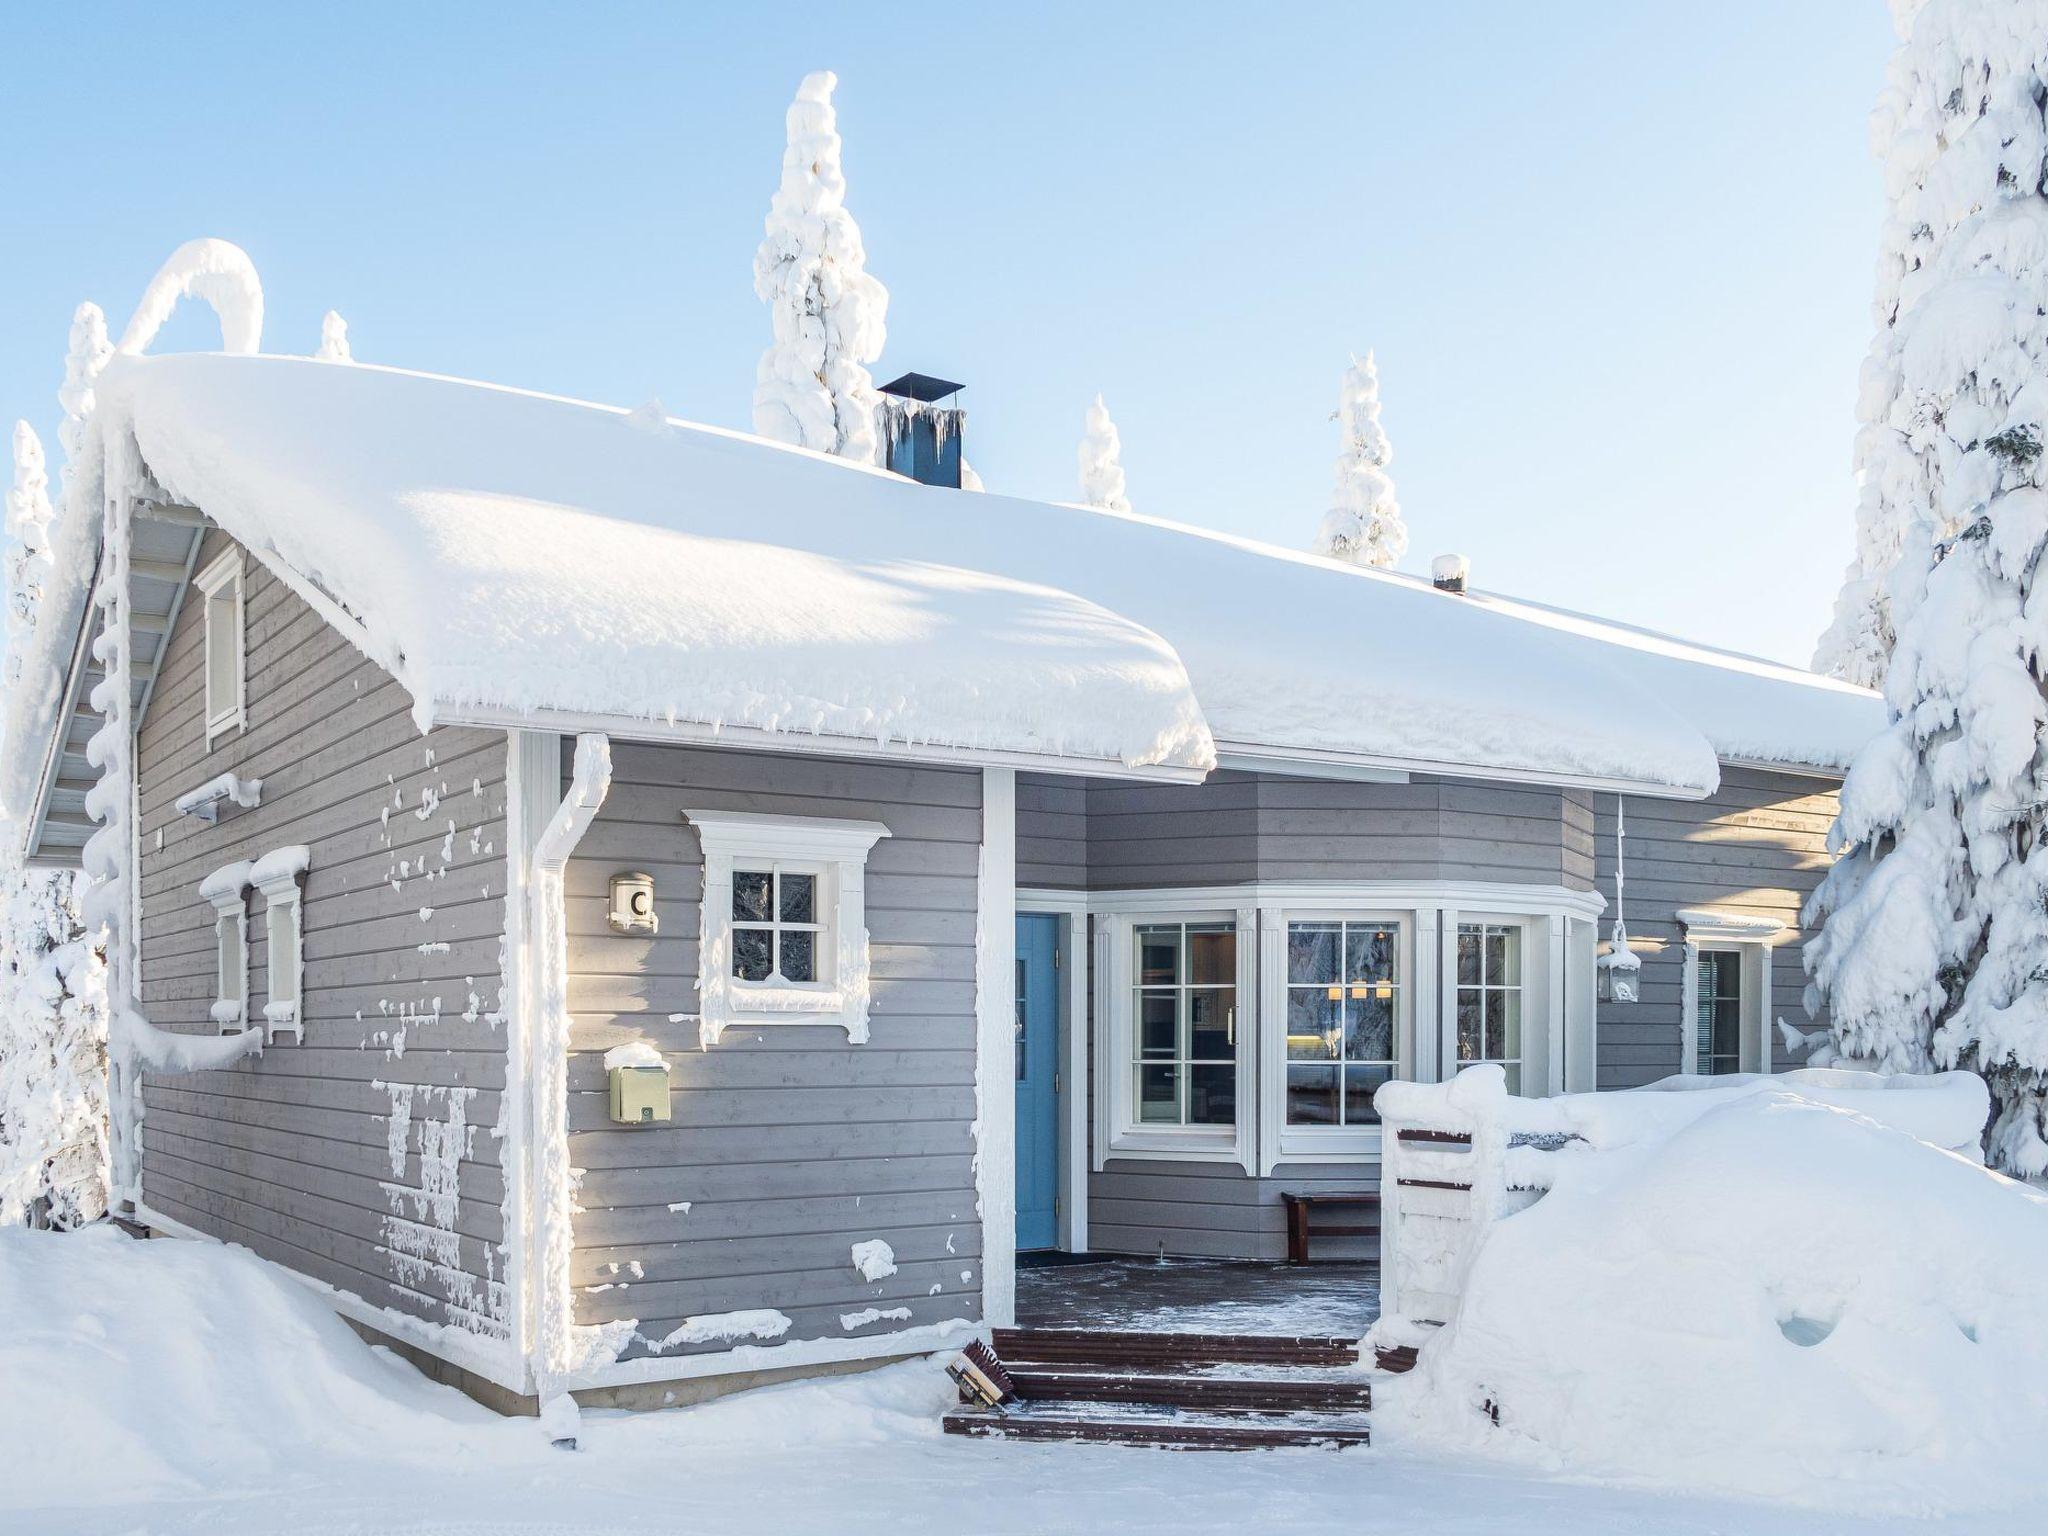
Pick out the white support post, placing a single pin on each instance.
(995, 971)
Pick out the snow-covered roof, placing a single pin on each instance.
(509, 552)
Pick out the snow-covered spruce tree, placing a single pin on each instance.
(334, 339)
(1364, 523)
(1935, 945)
(812, 387)
(28, 543)
(1957, 136)
(1101, 456)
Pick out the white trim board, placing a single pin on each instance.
(995, 1073)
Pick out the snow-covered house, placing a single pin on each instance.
(707, 906)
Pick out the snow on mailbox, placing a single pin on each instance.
(639, 1083)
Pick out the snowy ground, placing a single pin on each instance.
(180, 1387)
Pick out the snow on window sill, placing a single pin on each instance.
(279, 1017)
(228, 1014)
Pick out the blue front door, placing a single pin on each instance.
(1038, 1099)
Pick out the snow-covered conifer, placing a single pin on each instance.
(1935, 945)
(1364, 523)
(812, 387)
(1101, 455)
(28, 543)
(334, 339)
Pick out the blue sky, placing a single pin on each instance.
(1615, 259)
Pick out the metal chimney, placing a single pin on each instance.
(920, 437)
(1447, 573)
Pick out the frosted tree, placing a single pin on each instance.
(1953, 91)
(87, 356)
(1935, 945)
(334, 340)
(1101, 456)
(28, 543)
(812, 387)
(1364, 523)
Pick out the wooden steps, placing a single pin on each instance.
(1177, 1391)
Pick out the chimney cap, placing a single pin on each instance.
(921, 387)
(1447, 573)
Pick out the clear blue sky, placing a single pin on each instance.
(1615, 258)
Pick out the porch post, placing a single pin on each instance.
(995, 1091)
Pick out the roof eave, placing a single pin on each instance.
(1277, 759)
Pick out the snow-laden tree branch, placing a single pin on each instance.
(1101, 456)
(334, 346)
(217, 271)
(28, 543)
(1364, 523)
(812, 387)
(1935, 945)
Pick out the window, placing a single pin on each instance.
(1489, 1002)
(276, 875)
(1717, 1022)
(784, 925)
(225, 890)
(1184, 1045)
(226, 663)
(1343, 1010)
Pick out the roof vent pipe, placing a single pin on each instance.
(1447, 573)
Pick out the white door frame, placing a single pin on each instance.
(1071, 908)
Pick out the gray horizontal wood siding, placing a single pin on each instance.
(1052, 832)
(1758, 845)
(363, 1157)
(1151, 1206)
(788, 1144)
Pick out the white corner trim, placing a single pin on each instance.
(1714, 925)
(836, 850)
(548, 1064)
(995, 1074)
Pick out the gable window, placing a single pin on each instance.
(783, 935)
(1717, 1016)
(1184, 1048)
(1344, 1007)
(226, 662)
(1489, 997)
(276, 875)
(226, 891)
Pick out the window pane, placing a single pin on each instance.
(1511, 1025)
(1470, 1039)
(1504, 957)
(1159, 1094)
(1212, 956)
(1312, 951)
(1360, 1084)
(1211, 1036)
(278, 932)
(1369, 954)
(223, 625)
(752, 953)
(1728, 1028)
(1312, 1096)
(1371, 1033)
(1158, 956)
(750, 895)
(799, 956)
(1156, 1019)
(1468, 955)
(1212, 1095)
(799, 898)
(1313, 1022)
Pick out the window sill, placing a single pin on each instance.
(228, 1016)
(1203, 1146)
(784, 1006)
(279, 1017)
(1305, 1144)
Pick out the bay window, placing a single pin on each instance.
(1344, 1008)
(1489, 1004)
(1184, 1004)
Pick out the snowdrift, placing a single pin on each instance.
(1780, 1297)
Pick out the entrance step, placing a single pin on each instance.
(1171, 1351)
(1169, 1429)
(1271, 1392)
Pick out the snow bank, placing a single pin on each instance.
(176, 1367)
(1780, 1298)
(509, 551)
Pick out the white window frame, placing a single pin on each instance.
(284, 930)
(224, 575)
(833, 850)
(1119, 1132)
(1280, 1141)
(227, 892)
(1753, 937)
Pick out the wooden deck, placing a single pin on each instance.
(1200, 1296)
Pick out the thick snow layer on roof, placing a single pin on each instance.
(1751, 709)
(512, 552)
(515, 551)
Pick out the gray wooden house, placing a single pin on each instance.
(706, 908)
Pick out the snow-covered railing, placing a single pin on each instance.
(1457, 1157)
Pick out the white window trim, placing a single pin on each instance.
(837, 851)
(1119, 1134)
(227, 892)
(221, 573)
(283, 898)
(1752, 936)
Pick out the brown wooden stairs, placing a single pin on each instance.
(1178, 1391)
